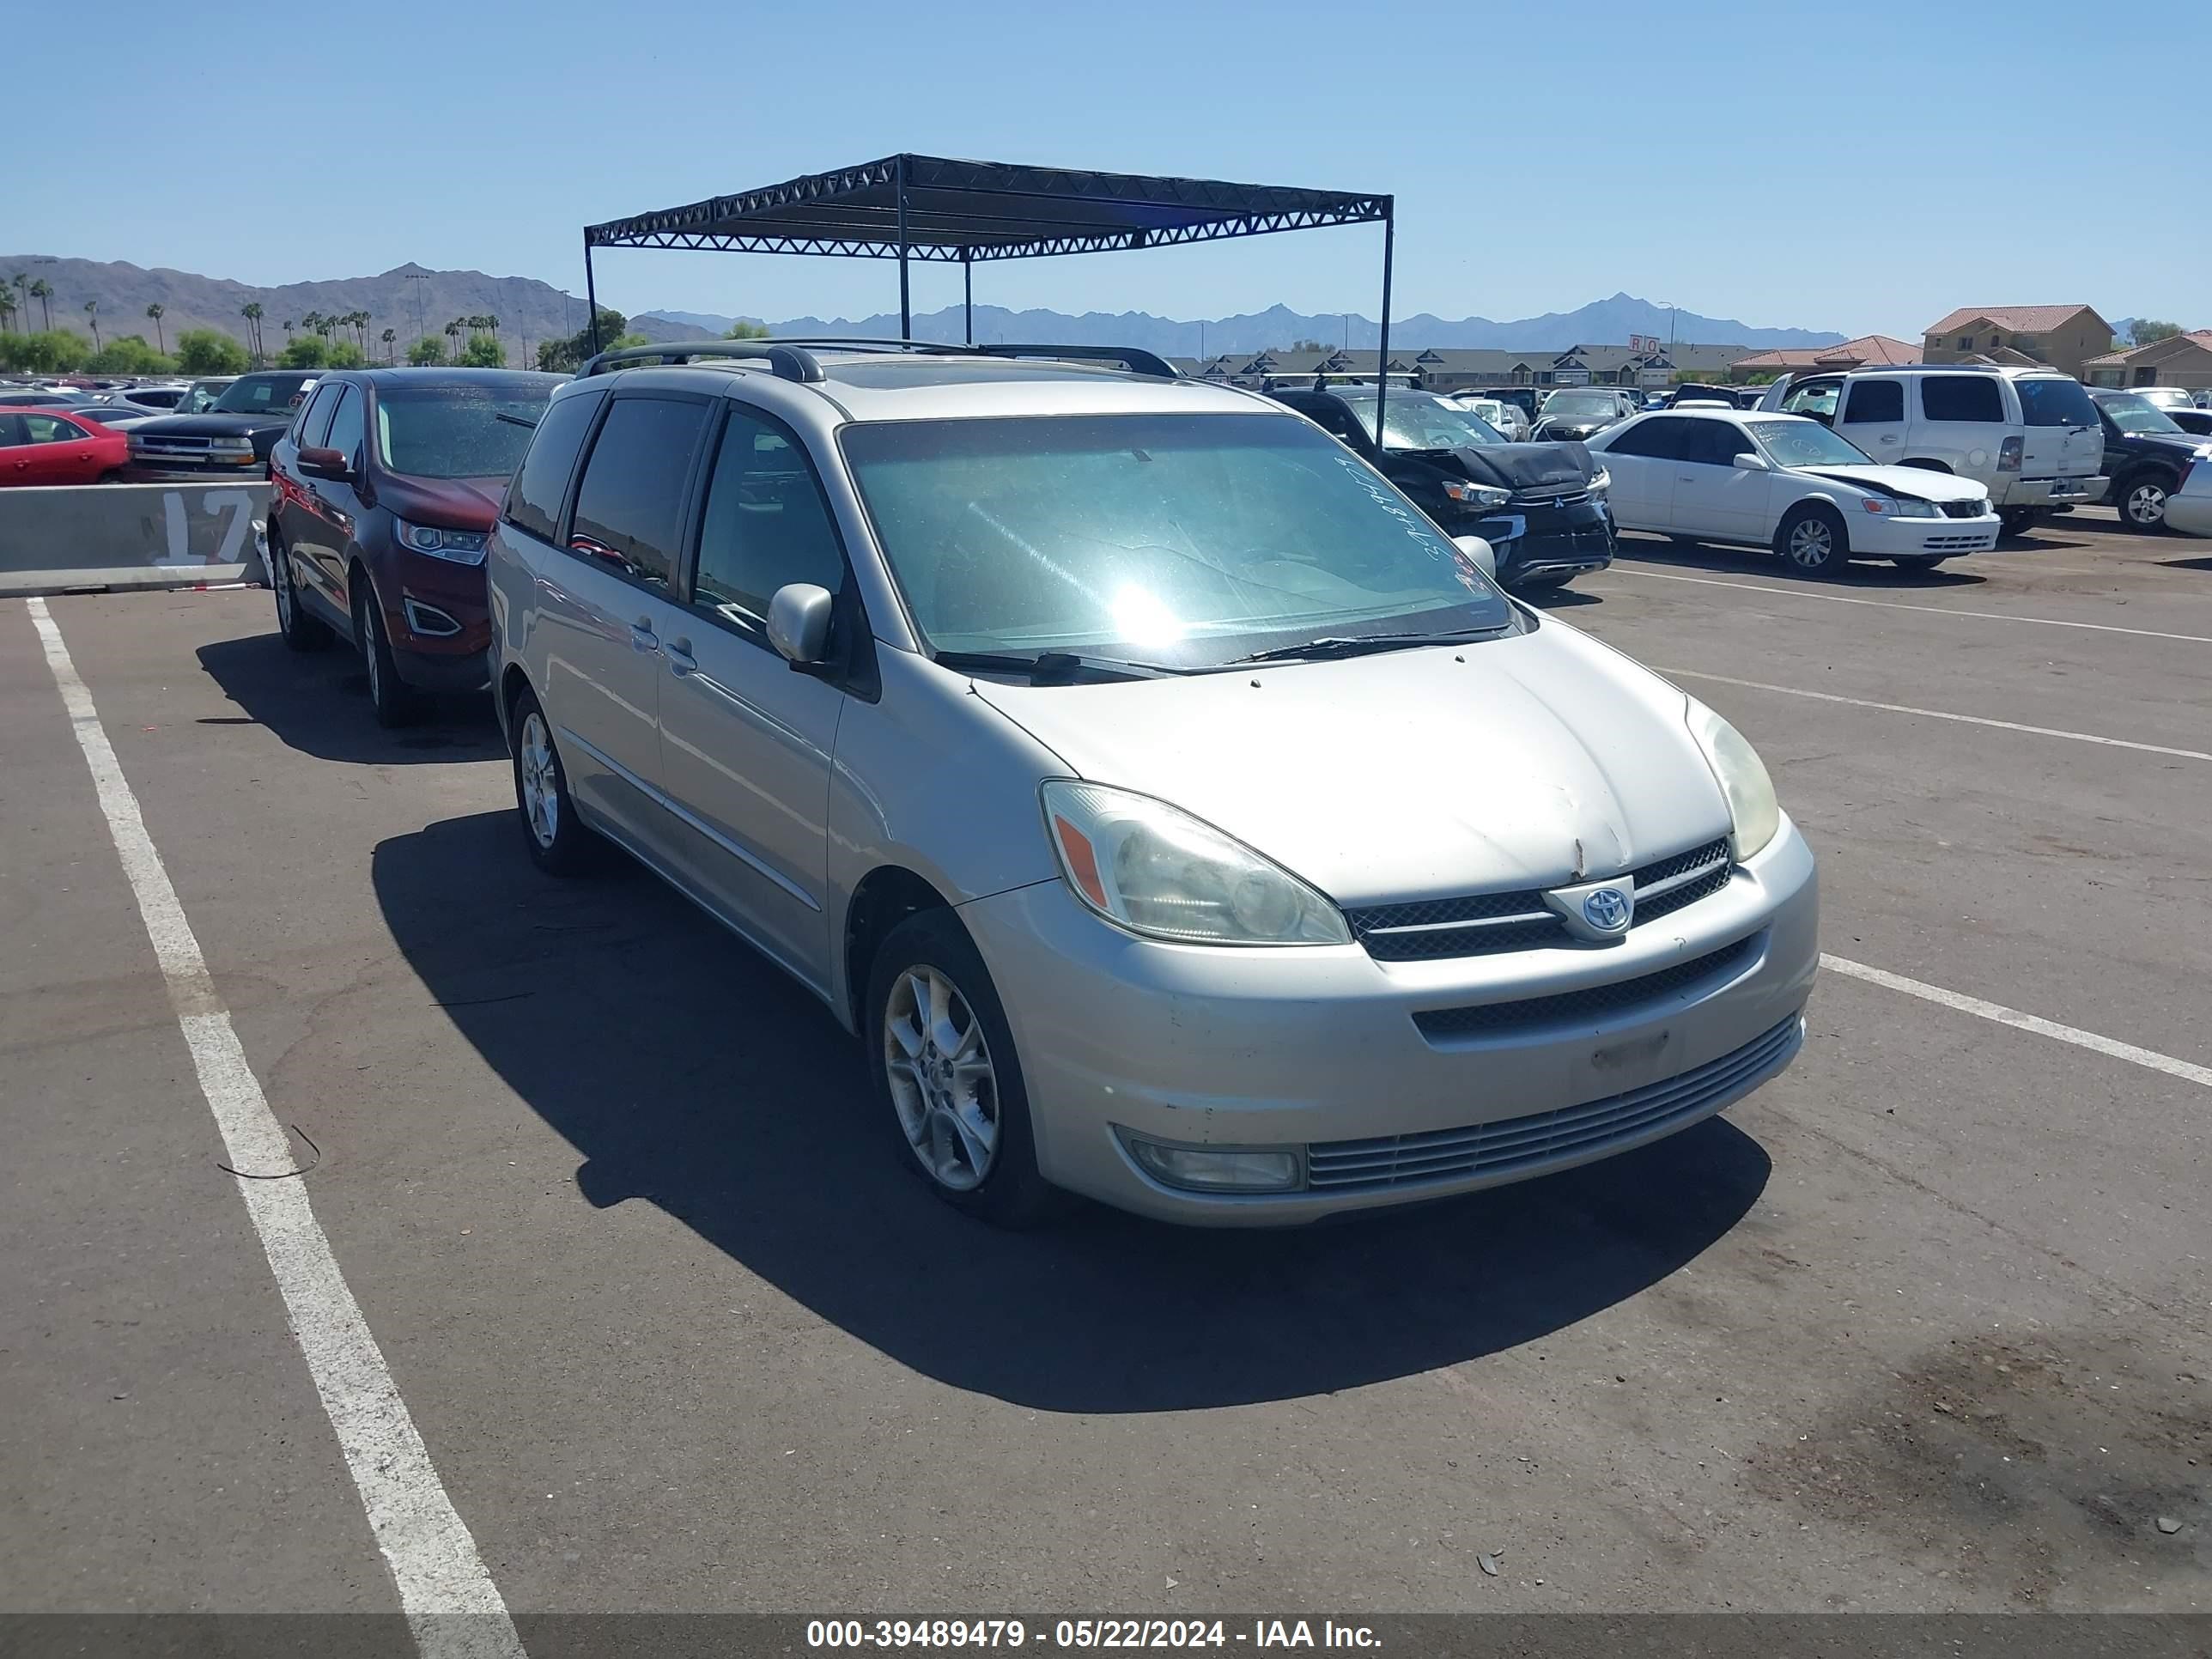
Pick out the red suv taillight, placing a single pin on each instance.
(2009, 454)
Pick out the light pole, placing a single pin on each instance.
(422, 325)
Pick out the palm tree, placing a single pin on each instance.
(360, 330)
(6, 310)
(311, 321)
(453, 333)
(251, 312)
(288, 327)
(153, 314)
(43, 292)
(389, 336)
(23, 281)
(92, 310)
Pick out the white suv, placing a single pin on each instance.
(2030, 436)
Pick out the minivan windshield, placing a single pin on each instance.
(1581, 405)
(2048, 400)
(457, 431)
(1415, 421)
(1190, 540)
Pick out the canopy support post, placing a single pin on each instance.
(906, 305)
(591, 297)
(1382, 353)
(968, 290)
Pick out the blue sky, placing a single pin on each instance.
(1712, 153)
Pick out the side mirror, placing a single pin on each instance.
(798, 623)
(1484, 557)
(1749, 462)
(325, 464)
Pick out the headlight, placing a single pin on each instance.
(1901, 509)
(1156, 870)
(1742, 778)
(232, 446)
(1485, 497)
(460, 546)
(1601, 483)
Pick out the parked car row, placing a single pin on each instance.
(1009, 705)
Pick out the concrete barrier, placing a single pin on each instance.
(90, 537)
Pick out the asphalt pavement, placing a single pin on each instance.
(1925, 1325)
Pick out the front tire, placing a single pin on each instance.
(302, 631)
(2017, 521)
(559, 843)
(395, 703)
(945, 1074)
(2141, 501)
(1812, 539)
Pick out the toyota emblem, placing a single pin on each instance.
(1607, 909)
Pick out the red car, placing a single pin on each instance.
(58, 447)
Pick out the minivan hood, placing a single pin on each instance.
(450, 503)
(1529, 762)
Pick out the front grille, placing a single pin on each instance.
(1483, 924)
(172, 446)
(1521, 1143)
(1489, 1018)
(1962, 509)
(1956, 543)
(1574, 497)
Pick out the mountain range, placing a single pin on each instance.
(1602, 322)
(411, 299)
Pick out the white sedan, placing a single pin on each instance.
(2189, 508)
(1784, 482)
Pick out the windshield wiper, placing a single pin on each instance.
(1365, 644)
(1054, 667)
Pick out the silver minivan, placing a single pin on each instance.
(1175, 815)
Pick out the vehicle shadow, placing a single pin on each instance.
(2204, 564)
(690, 1073)
(317, 701)
(1710, 560)
(1557, 598)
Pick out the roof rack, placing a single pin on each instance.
(793, 359)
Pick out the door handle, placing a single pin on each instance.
(680, 659)
(640, 636)
(1889, 437)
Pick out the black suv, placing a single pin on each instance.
(1541, 506)
(230, 439)
(2145, 455)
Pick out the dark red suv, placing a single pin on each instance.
(386, 484)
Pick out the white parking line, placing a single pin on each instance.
(2187, 1070)
(1898, 604)
(452, 1607)
(1940, 714)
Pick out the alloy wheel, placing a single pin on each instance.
(1812, 543)
(541, 792)
(942, 1081)
(281, 578)
(2146, 505)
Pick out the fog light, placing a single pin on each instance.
(1213, 1170)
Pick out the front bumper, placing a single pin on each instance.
(1316, 1050)
(438, 621)
(2189, 515)
(1879, 536)
(2050, 492)
(1533, 540)
(251, 469)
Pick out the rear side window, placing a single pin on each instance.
(1875, 400)
(2054, 402)
(533, 500)
(1660, 439)
(11, 431)
(629, 507)
(1962, 398)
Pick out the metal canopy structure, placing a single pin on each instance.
(927, 207)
